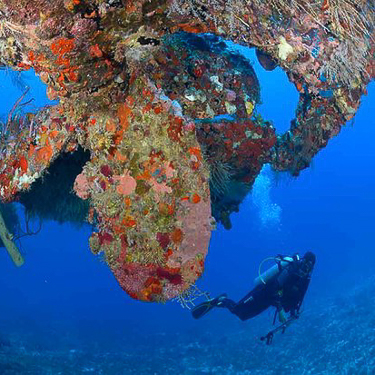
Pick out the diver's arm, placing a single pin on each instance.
(302, 289)
(280, 312)
(283, 277)
(295, 283)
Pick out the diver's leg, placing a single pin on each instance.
(226, 303)
(251, 305)
(203, 308)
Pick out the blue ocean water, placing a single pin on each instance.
(64, 313)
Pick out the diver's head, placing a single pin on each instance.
(308, 262)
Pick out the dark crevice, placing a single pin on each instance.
(52, 197)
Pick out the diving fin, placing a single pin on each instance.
(203, 308)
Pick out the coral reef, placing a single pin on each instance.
(140, 92)
(333, 337)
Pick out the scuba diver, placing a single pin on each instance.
(283, 286)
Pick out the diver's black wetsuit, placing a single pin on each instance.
(286, 291)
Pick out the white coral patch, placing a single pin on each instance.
(285, 49)
(218, 85)
(231, 109)
(24, 179)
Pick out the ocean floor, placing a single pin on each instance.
(335, 336)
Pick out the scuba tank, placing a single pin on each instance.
(281, 263)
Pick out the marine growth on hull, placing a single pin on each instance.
(156, 135)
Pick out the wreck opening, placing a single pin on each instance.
(52, 197)
(278, 96)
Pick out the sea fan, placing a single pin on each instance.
(220, 176)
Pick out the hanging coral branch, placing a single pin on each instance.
(13, 120)
(188, 297)
(28, 231)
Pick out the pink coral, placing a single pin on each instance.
(196, 227)
(160, 187)
(81, 186)
(126, 183)
(83, 27)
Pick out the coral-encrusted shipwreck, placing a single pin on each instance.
(140, 85)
